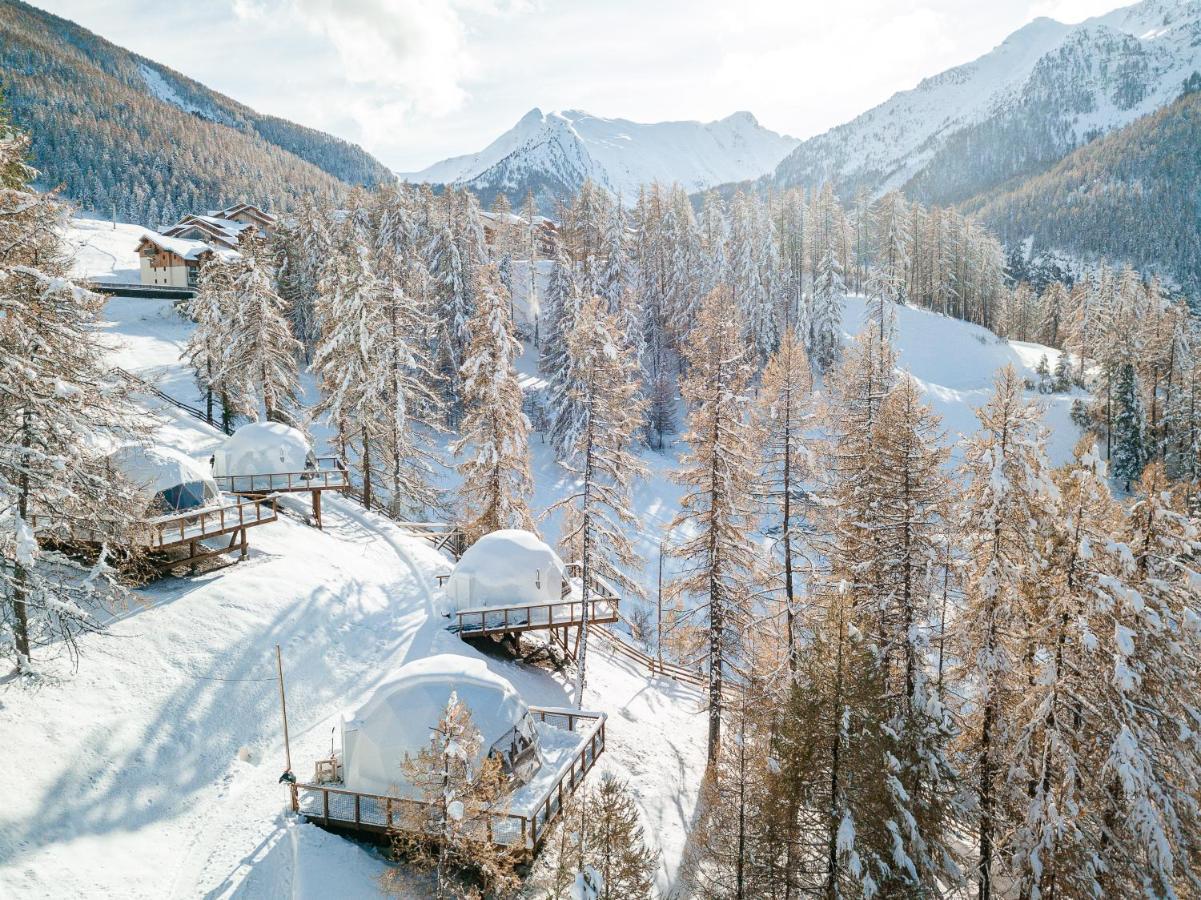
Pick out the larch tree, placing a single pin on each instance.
(447, 833)
(716, 513)
(783, 417)
(213, 312)
(61, 409)
(494, 442)
(601, 438)
(1149, 817)
(1003, 514)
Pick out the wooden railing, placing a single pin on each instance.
(533, 616)
(175, 529)
(144, 386)
(171, 530)
(443, 535)
(618, 644)
(330, 474)
(335, 807)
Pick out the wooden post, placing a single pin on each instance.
(659, 639)
(317, 507)
(283, 705)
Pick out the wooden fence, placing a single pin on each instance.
(340, 809)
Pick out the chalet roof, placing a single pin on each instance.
(248, 208)
(185, 248)
(226, 227)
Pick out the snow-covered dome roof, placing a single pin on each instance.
(263, 448)
(171, 481)
(506, 568)
(398, 717)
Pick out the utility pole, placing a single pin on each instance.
(283, 705)
(659, 639)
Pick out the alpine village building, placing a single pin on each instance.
(172, 258)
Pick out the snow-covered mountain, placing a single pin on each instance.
(553, 153)
(1047, 89)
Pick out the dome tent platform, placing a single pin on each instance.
(509, 582)
(183, 508)
(572, 742)
(262, 458)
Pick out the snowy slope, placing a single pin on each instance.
(152, 771)
(1047, 88)
(552, 152)
(104, 251)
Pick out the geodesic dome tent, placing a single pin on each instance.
(171, 481)
(506, 568)
(263, 448)
(398, 717)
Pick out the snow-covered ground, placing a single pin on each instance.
(104, 251)
(152, 770)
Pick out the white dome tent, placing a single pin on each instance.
(171, 481)
(263, 448)
(398, 717)
(504, 569)
(269, 457)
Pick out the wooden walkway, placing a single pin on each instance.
(339, 809)
(164, 536)
(330, 474)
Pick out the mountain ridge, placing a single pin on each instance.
(182, 146)
(550, 153)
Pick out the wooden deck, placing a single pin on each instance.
(331, 474)
(164, 536)
(338, 809)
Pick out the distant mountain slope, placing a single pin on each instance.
(122, 132)
(1013, 112)
(1133, 196)
(553, 153)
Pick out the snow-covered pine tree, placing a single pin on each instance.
(1129, 432)
(890, 245)
(1059, 714)
(261, 357)
(746, 285)
(829, 289)
(716, 510)
(600, 438)
(454, 305)
(447, 833)
(213, 311)
(494, 443)
(1003, 514)
(61, 411)
(783, 418)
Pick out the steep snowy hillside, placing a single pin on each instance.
(552, 153)
(1015, 111)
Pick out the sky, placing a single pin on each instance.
(415, 81)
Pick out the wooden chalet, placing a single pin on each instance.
(172, 261)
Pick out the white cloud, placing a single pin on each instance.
(416, 49)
